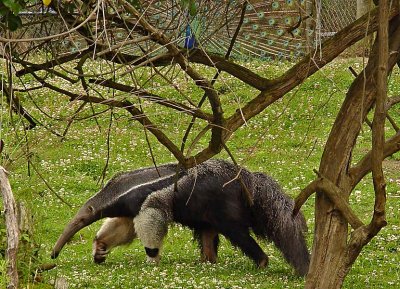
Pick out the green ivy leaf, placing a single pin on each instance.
(13, 5)
(3, 10)
(13, 22)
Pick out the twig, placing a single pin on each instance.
(334, 194)
(153, 98)
(16, 105)
(48, 185)
(11, 40)
(71, 120)
(215, 144)
(103, 173)
(214, 79)
(148, 143)
(392, 122)
(248, 195)
(355, 74)
(364, 166)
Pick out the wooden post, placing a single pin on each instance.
(12, 229)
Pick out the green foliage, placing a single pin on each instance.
(3, 238)
(9, 10)
(3, 274)
(27, 257)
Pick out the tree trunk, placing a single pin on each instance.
(12, 229)
(333, 254)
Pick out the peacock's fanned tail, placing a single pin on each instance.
(268, 29)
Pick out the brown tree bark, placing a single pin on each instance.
(333, 252)
(12, 229)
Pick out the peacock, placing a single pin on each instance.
(266, 30)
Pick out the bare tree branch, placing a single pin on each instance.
(153, 98)
(364, 166)
(378, 123)
(330, 49)
(334, 194)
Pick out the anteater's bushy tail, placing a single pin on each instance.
(274, 221)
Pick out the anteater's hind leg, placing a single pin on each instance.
(208, 242)
(239, 236)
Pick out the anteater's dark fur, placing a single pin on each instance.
(209, 199)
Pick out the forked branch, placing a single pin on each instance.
(323, 185)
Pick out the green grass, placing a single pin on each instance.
(285, 141)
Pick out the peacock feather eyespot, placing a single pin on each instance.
(289, 2)
(275, 5)
(263, 34)
(246, 20)
(298, 53)
(246, 36)
(286, 43)
(271, 21)
(260, 15)
(296, 32)
(270, 42)
(249, 7)
(279, 32)
(254, 26)
(288, 20)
